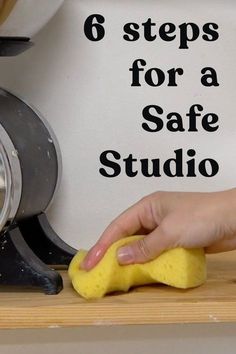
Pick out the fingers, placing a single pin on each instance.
(128, 223)
(224, 245)
(145, 249)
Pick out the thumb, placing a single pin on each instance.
(145, 249)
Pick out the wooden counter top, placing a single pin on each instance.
(215, 301)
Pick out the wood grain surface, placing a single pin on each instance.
(215, 301)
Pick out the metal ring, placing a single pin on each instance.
(54, 142)
(13, 178)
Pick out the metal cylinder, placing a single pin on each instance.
(30, 161)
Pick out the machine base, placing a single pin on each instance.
(26, 249)
(44, 242)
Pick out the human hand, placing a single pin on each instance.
(170, 220)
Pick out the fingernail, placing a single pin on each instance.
(125, 255)
(90, 261)
(98, 253)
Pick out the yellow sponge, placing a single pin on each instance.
(181, 268)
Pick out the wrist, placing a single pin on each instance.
(228, 207)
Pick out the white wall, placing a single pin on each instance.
(83, 89)
(166, 339)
